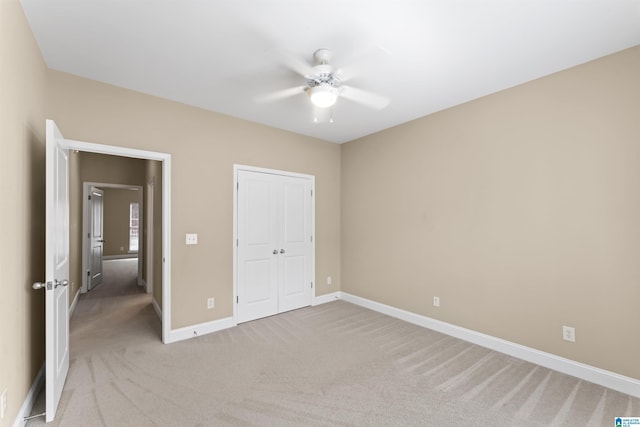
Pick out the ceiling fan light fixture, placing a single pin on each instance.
(323, 95)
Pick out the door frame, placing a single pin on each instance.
(165, 158)
(86, 226)
(148, 236)
(237, 168)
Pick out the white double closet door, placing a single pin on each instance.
(274, 243)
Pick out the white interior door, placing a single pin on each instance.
(257, 246)
(57, 268)
(275, 247)
(96, 236)
(296, 245)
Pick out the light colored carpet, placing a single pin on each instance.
(335, 364)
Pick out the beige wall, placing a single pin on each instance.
(75, 225)
(117, 202)
(204, 146)
(520, 210)
(22, 88)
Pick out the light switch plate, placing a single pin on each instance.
(192, 239)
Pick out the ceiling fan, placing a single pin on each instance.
(324, 85)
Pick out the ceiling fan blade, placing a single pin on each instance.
(280, 94)
(369, 99)
(296, 64)
(369, 59)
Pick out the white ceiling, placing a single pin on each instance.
(424, 55)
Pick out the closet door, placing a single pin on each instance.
(258, 249)
(295, 240)
(275, 247)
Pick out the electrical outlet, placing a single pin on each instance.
(329, 280)
(569, 333)
(436, 301)
(191, 239)
(3, 404)
(211, 303)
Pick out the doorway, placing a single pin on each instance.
(107, 213)
(163, 253)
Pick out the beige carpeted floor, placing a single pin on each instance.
(335, 364)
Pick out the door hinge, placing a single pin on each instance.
(88, 273)
(237, 299)
(237, 243)
(89, 196)
(311, 285)
(89, 235)
(237, 186)
(311, 239)
(311, 193)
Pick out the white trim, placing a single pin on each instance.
(166, 249)
(166, 213)
(323, 299)
(74, 304)
(156, 308)
(123, 256)
(194, 331)
(585, 372)
(149, 255)
(30, 399)
(312, 178)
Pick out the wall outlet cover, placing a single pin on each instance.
(569, 333)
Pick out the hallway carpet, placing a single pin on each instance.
(335, 364)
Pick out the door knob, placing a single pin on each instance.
(39, 285)
(275, 252)
(282, 251)
(49, 285)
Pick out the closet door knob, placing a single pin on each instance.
(282, 251)
(275, 252)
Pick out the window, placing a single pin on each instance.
(134, 224)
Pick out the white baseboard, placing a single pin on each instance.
(585, 372)
(74, 303)
(200, 329)
(323, 299)
(157, 308)
(30, 400)
(123, 256)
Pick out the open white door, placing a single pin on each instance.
(56, 268)
(96, 236)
